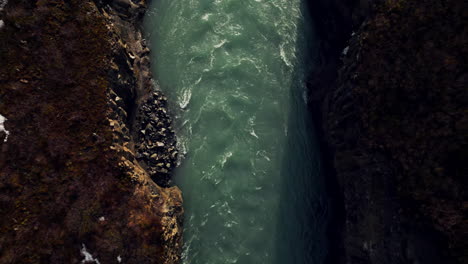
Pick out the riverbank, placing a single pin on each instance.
(390, 102)
(81, 169)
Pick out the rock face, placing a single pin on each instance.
(75, 85)
(391, 104)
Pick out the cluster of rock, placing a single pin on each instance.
(155, 141)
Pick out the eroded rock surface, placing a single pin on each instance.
(74, 78)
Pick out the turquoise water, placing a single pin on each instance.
(249, 173)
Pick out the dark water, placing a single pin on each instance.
(234, 71)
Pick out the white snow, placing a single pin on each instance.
(345, 51)
(2, 127)
(88, 258)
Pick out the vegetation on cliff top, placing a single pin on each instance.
(53, 92)
(61, 185)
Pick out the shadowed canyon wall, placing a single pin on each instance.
(390, 100)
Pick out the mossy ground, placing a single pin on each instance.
(58, 174)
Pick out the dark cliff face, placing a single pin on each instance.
(74, 77)
(390, 100)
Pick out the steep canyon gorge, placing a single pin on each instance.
(297, 131)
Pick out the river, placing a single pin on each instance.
(234, 73)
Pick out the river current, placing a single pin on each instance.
(249, 171)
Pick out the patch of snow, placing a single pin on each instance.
(88, 258)
(119, 259)
(345, 51)
(2, 127)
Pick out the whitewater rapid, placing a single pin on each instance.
(250, 175)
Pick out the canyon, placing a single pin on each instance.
(371, 169)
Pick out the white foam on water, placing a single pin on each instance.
(198, 81)
(230, 223)
(212, 57)
(235, 30)
(249, 60)
(182, 142)
(305, 98)
(219, 45)
(262, 154)
(251, 126)
(206, 16)
(283, 56)
(225, 157)
(252, 132)
(184, 99)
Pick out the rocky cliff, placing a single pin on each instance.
(84, 171)
(390, 101)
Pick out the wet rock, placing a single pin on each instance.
(149, 127)
(158, 139)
